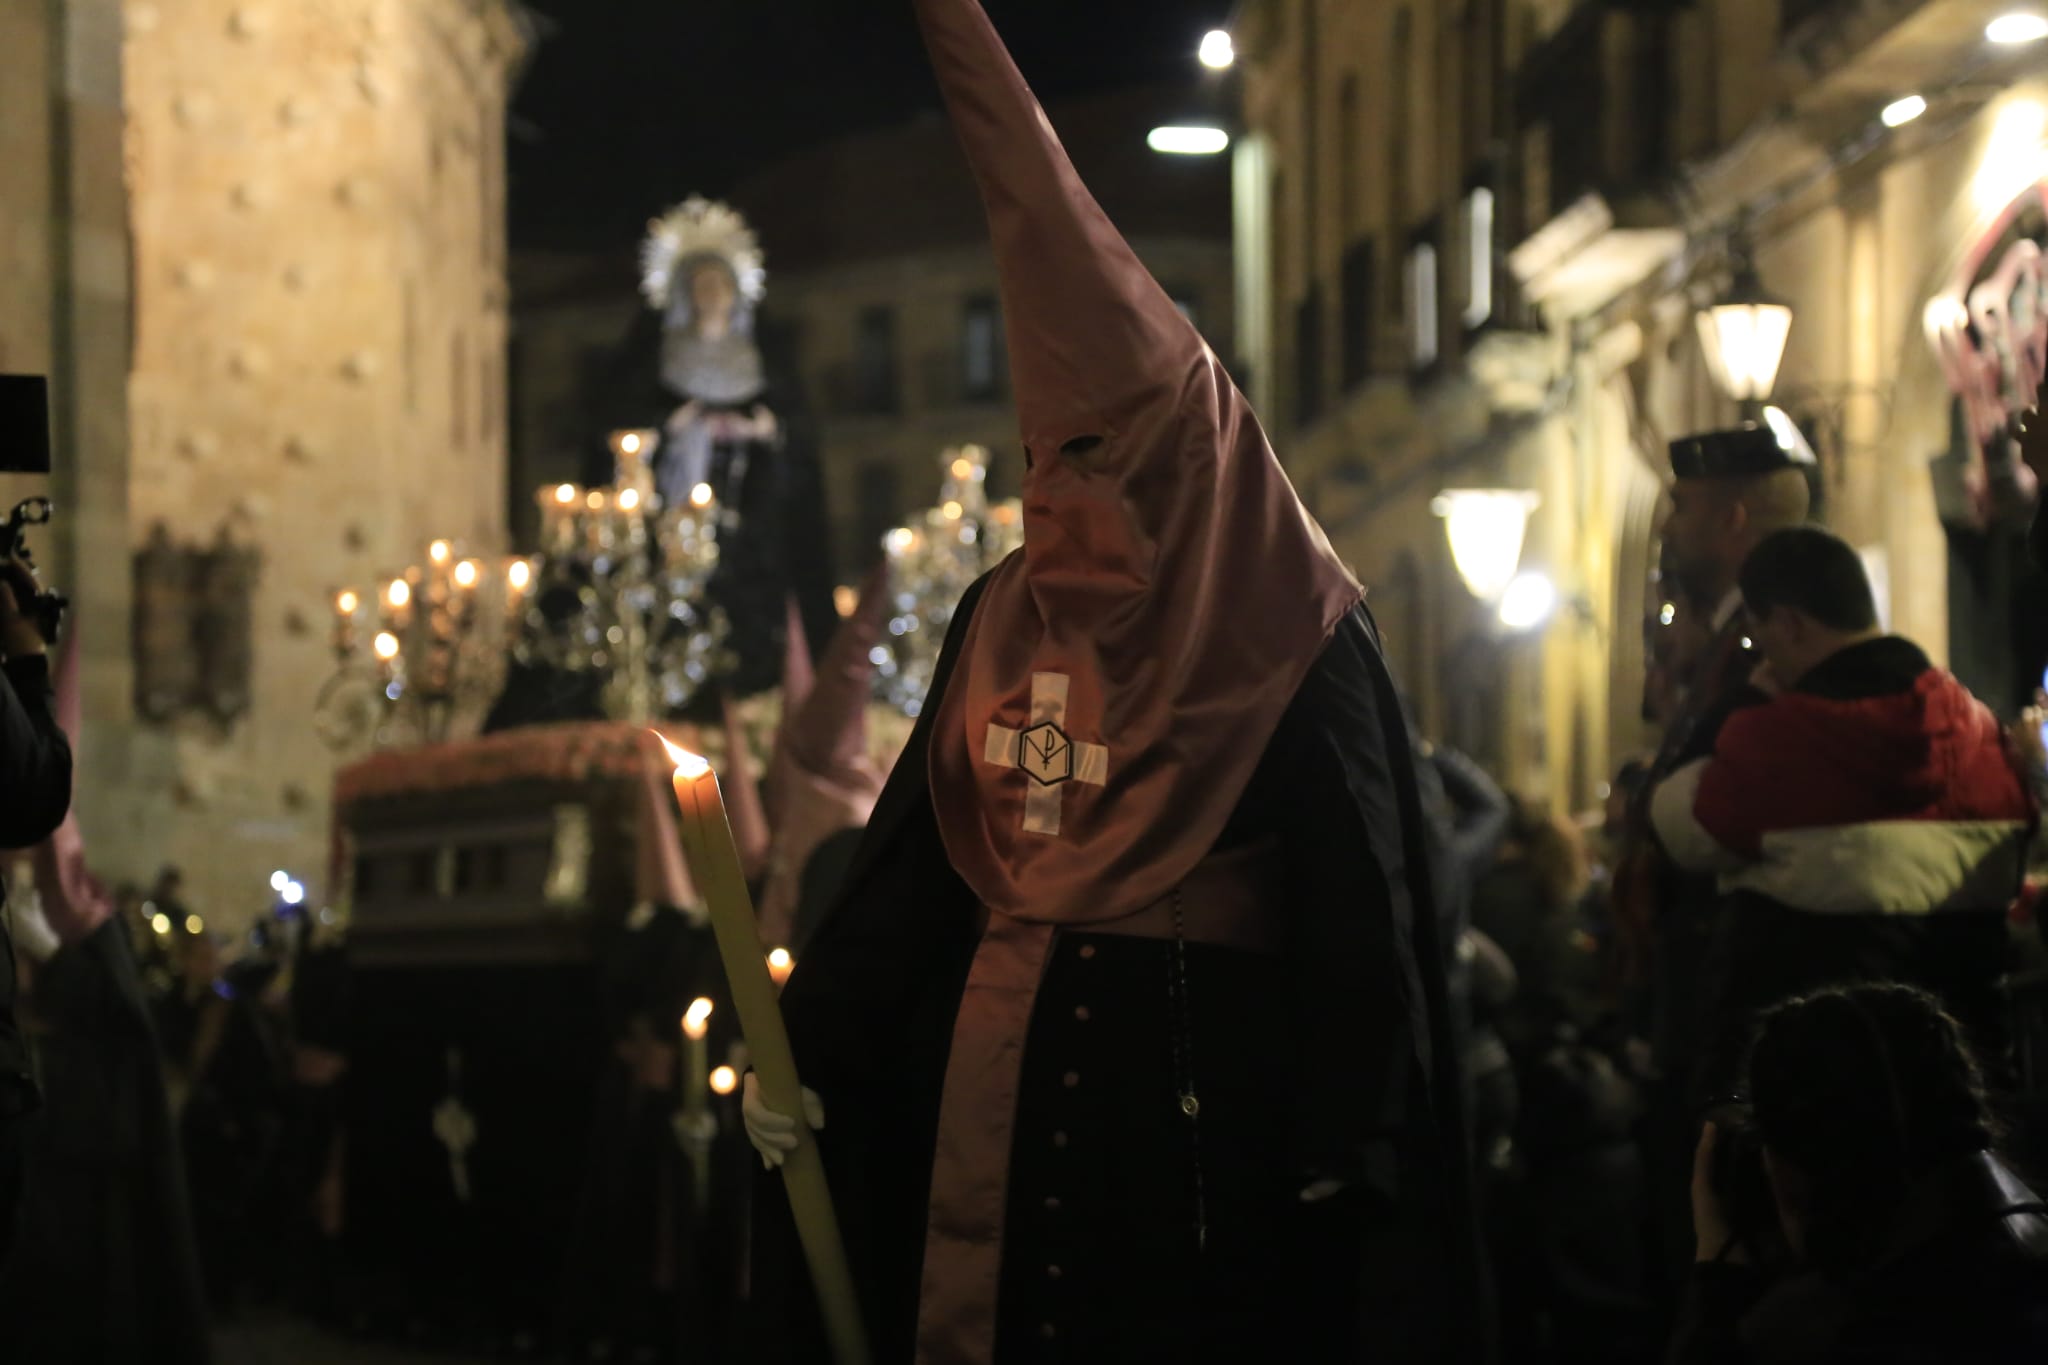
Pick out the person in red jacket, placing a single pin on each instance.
(1867, 823)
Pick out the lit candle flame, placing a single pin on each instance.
(399, 593)
(629, 498)
(161, 923)
(701, 495)
(595, 500)
(688, 765)
(724, 1080)
(565, 493)
(439, 552)
(194, 925)
(962, 467)
(519, 574)
(347, 603)
(697, 1021)
(952, 511)
(630, 443)
(387, 646)
(465, 574)
(780, 965)
(901, 539)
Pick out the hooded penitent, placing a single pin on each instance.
(1120, 678)
(824, 779)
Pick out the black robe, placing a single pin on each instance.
(1331, 1060)
(106, 1272)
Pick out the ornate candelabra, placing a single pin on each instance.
(620, 589)
(624, 588)
(438, 637)
(932, 561)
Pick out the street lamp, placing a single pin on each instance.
(1189, 141)
(1744, 336)
(1486, 527)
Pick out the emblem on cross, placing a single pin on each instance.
(1047, 755)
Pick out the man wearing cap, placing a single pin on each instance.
(1129, 1027)
(1729, 490)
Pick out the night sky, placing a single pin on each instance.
(628, 105)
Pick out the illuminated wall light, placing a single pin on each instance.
(1176, 141)
(2011, 30)
(1903, 111)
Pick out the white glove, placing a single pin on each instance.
(774, 1135)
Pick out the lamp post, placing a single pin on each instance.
(1743, 336)
(1486, 528)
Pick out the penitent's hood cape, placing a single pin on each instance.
(1123, 673)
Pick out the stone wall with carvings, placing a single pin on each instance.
(318, 209)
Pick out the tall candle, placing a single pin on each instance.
(697, 1057)
(346, 603)
(715, 861)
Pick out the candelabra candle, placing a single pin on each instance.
(346, 603)
(397, 605)
(558, 507)
(518, 582)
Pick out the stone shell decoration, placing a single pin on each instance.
(694, 229)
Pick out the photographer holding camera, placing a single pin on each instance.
(1854, 1210)
(35, 795)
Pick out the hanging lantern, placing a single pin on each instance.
(1486, 527)
(1744, 335)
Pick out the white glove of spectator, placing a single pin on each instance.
(774, 1135)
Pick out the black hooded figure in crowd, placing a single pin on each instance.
(1129, 1026)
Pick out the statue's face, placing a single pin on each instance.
(712, 293)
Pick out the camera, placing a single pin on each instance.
(25, 449)
(40, 605)
(1738, 1177)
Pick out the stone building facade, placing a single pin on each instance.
(883, 293)
(311, 247)
(1493, 224)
